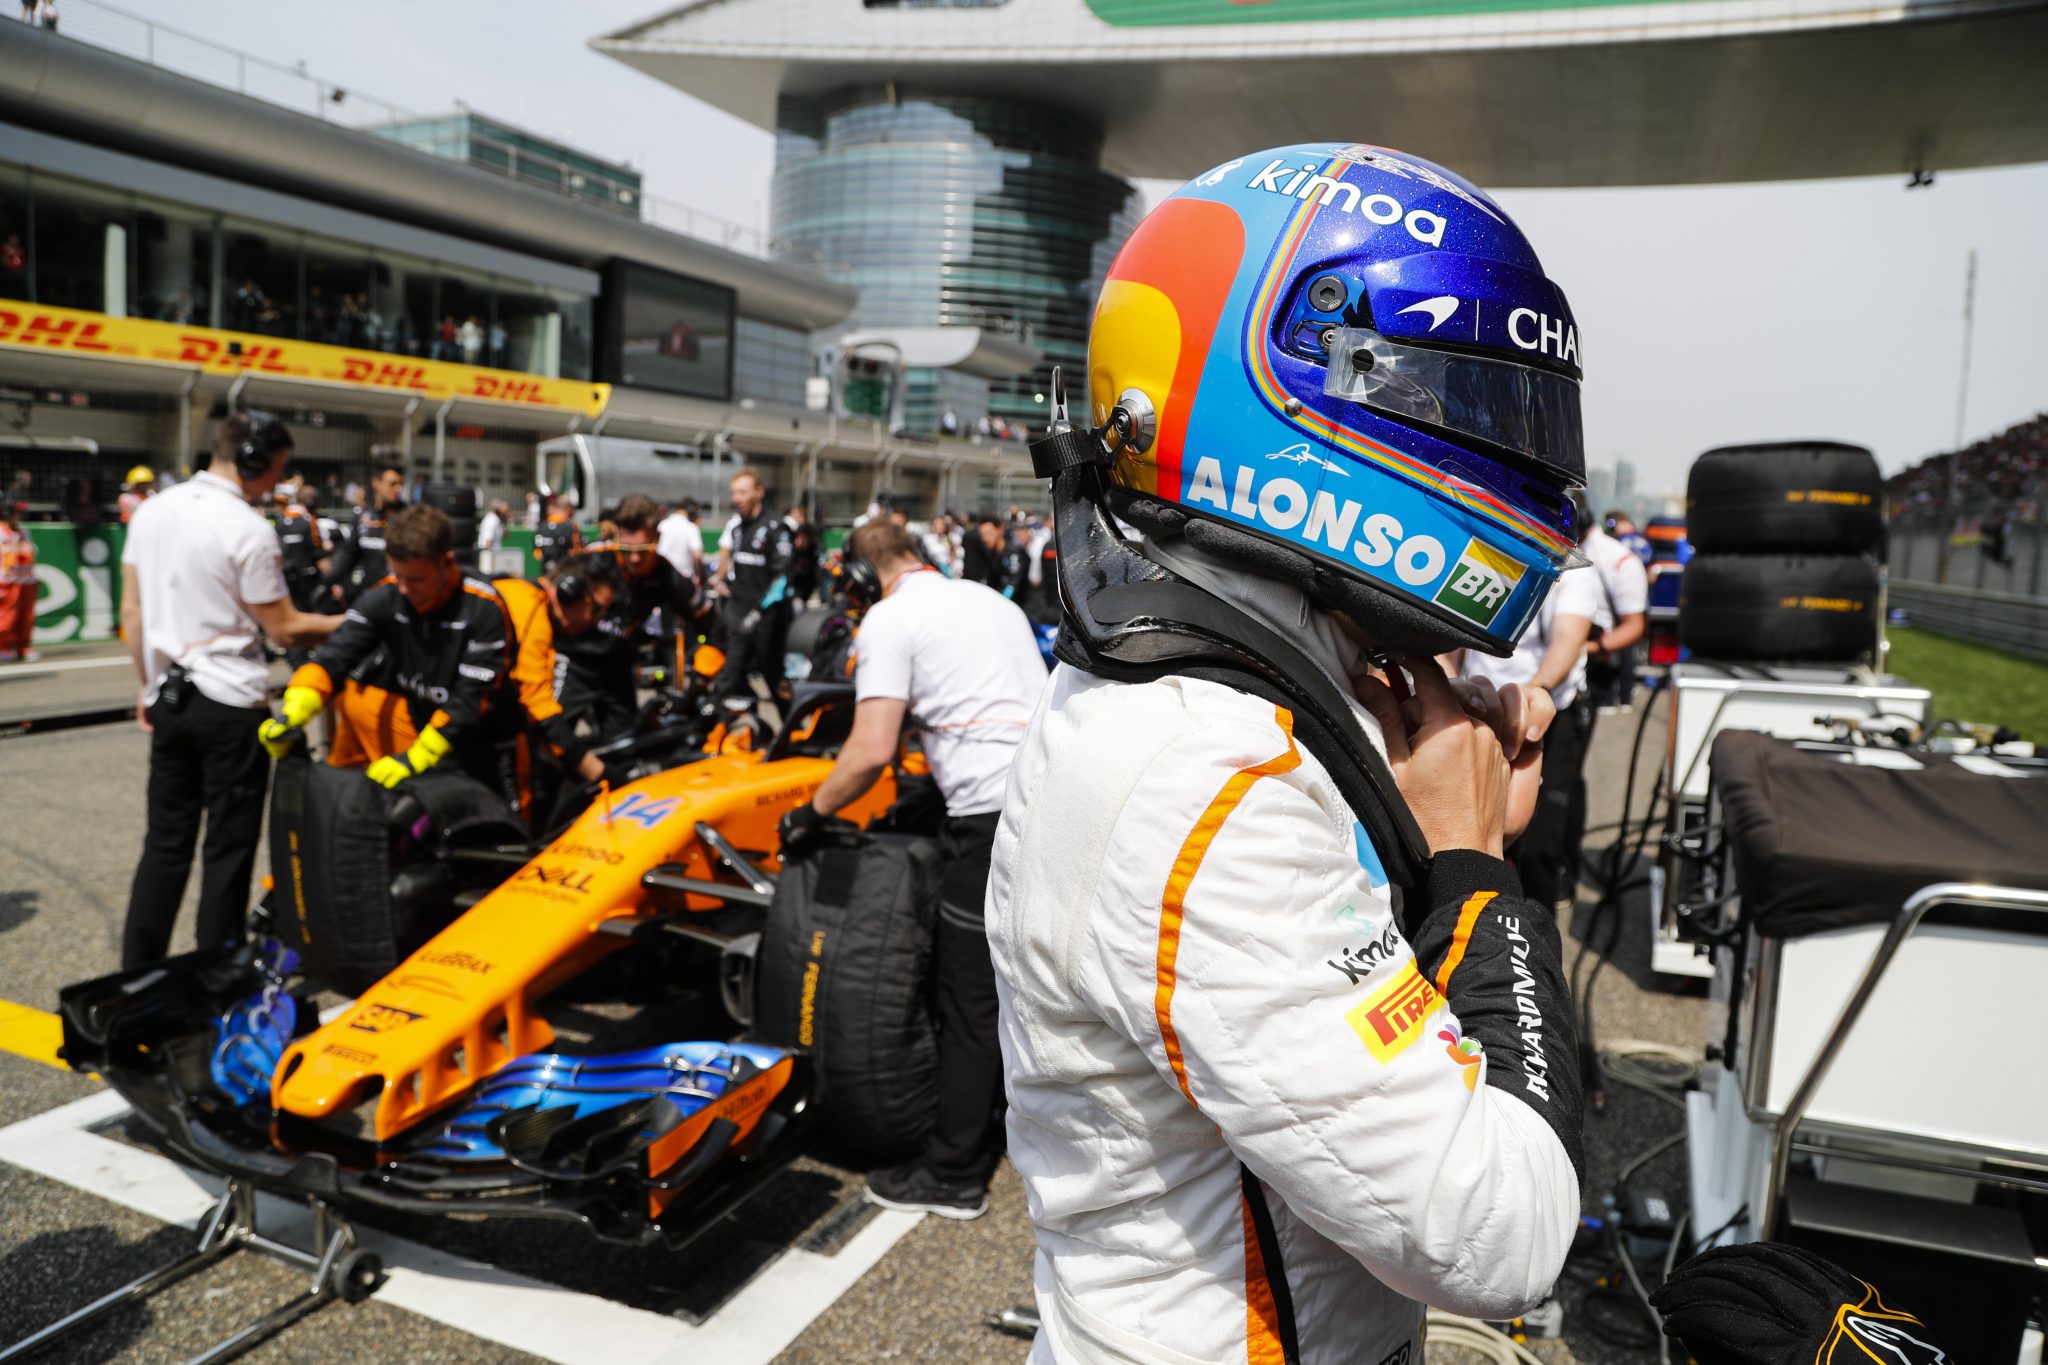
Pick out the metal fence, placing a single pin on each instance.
(2001, 619)
(297, 89)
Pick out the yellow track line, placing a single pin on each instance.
(31, 1033)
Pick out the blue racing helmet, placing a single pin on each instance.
(1346, 362)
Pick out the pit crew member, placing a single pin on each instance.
(451, 648)
(755, 556)
(304, 548)
(1262, 1111)
(1624, 607)
(558, 536)
(1551, 655)
(598, 681)
(17, 586)
(568, 599)
(958, 663)
(202, 585)
(358, 562)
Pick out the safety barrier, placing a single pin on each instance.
(2001, 619)
(78, 572)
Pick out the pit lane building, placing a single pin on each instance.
(968, 158)
(451, 293)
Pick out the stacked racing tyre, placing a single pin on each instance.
(1786, 539)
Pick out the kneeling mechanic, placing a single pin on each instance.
(451, 654)
(958, 664)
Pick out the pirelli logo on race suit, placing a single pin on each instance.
(1391, 1019)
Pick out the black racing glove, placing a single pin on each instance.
(800, 830)
(1765, 1303)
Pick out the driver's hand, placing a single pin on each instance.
(1520, 718)
(591, 769)
(1448, 762)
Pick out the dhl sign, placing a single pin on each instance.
(38, 327)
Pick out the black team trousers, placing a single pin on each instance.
(965, 1141)
(1547, 854)
(203, 760)
(751, 651)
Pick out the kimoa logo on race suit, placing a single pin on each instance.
(1480, 583)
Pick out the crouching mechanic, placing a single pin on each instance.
(569, 598)
(1265, 1108)
(960, 664)
(451, 648)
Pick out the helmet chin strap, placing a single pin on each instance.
(1128, 618)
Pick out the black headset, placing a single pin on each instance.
(863, 584)
(266, 435)
(572, 584)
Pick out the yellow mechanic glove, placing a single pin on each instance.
(430, 748)
(301, 704)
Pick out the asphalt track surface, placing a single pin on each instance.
(797, 1268)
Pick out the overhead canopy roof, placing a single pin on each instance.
(76, 90)
(971, 350)
(1508, 92)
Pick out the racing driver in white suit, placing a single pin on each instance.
(1289, 1056)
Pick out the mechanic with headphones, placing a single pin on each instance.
(202, 584)
(1289, 1053)
(957, 663)
(571, 597)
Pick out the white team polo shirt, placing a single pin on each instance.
(1625, 581)
(202, 552)
(1576, 593)
(678, 540)
(964, 658)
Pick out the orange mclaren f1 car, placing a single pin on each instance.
(454, 1083)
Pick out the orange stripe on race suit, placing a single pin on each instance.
(1185, 866)
(1262, 1344)
(1468, 920)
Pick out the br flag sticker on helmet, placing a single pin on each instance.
(1355, 356)
(1480, 583)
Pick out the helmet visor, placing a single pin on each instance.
(1532, 412)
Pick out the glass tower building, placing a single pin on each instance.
(956, 211)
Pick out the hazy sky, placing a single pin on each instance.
(1708, 314)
